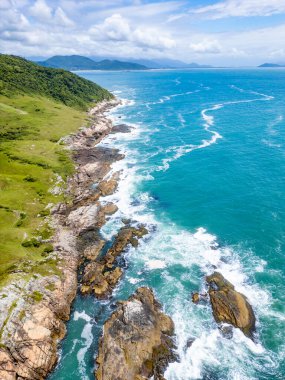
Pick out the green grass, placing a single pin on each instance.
(30, 159)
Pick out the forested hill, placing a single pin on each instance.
(78, 62)
(19, 76)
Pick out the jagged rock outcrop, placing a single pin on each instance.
(230, 306)
(137, 341)
(101, 275)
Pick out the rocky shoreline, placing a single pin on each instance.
(33, 316)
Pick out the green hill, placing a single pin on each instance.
(38, 106)
(22, 76)
(78, 62)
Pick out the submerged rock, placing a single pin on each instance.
(230, 306)
(137, 340)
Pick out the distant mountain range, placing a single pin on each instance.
(272, 65)
(167, 63)
(78, 62)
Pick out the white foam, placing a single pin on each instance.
(87, 339)
(177, 81)
(167, 98)
(264, 96)
(155, 264)
(133, 280)
(81, 315)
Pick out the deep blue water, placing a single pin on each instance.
(204, 167)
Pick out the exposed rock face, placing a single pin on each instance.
(230, 306)
(137, 340)
(107, 187)
(101, 275)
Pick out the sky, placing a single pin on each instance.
(216, 32)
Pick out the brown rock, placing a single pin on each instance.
(109, 209)
(113, 276)
(91, 252)
(108, 187)
(7, 367)
(230, 306)
(101, 276)
(195, 297)
(137, 340)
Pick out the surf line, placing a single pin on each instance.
(209, 121)
(169, 97)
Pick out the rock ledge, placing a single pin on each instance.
(137, 340)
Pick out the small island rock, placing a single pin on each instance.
(230, 306)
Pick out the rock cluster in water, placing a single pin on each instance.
(137, 342)
(102, 274)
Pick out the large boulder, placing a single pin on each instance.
(137, 340)
(230, 306)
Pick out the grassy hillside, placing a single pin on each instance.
(25, 77)
(33, 118)
(78, 62)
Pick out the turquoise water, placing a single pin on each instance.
(204, 169)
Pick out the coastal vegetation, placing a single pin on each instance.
(38, 106)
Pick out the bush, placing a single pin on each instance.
(29, 178)
(48, 248)
(31, 243)
(44, 212)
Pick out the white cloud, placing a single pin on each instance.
(151, 37)
(5, 4)
(208, 46)
(242, 8)
(41, 11)
(12, 20)
(118, 28)
(114, 27)
(280, 53)
(60, 18)
(44, 13)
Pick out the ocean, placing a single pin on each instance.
(204, 170)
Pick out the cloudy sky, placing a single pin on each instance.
(219, 32)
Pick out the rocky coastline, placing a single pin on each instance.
(33, 316)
